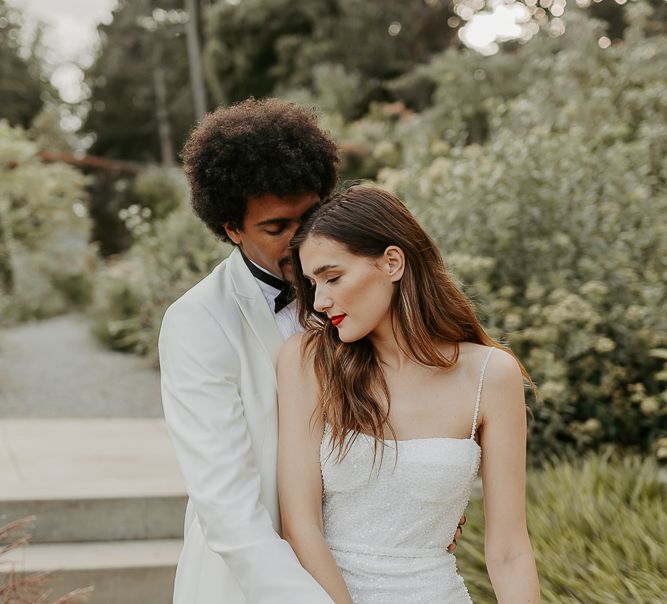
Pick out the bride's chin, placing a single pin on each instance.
(347, 337)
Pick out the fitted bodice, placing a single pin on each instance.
(408, 503)
(388, 520)
(388, 524)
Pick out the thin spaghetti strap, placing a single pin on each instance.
(479, 392)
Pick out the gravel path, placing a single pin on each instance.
(55, 368)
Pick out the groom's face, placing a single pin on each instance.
(268, 227)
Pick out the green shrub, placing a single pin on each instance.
(45, 259)
(161, 190)
(133, 291)
(597, 527)
(555, 226)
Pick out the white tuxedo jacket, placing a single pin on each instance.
(218, 348)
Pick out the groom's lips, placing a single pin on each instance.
(337, 319)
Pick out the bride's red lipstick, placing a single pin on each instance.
(337, 320)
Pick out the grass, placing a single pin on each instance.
(598, 528)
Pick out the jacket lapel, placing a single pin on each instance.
(253, 306)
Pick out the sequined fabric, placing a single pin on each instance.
(388, 525)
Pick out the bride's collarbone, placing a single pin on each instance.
(415, 418)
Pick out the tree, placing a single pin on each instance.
(194, 58)
(264, 47)
(23, 86)
(140, 100)
(259, 47)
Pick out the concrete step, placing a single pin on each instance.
(91, 480)
(99, 519)
(125, 572)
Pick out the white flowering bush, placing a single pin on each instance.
(45, 258)
(554, 224)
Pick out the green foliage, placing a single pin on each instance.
(555, 225)
(46, 130)
(335, 92)
(153, 195)
(258, 47)
(23, 86)
(123, 106)
(122, 206)
(45, 259)
(597, 528)
(161, 190)
(132, 292)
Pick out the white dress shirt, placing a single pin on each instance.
(288, 323)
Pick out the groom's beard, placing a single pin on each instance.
(286, 269)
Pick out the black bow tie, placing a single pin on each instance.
(284, 297)
(286, 293)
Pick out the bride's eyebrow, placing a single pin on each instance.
(320, 269)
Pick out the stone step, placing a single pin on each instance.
(99, 519)
(91, 479)
(124, 572)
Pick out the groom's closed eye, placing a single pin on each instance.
(274, 226)
(274, 232)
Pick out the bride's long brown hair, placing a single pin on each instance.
(427, 309)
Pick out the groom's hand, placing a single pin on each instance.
(451, 548)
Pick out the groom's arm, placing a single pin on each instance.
(204, 414)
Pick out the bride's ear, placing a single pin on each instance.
(393, 263)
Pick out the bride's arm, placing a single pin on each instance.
(299, 475)
(508, 553)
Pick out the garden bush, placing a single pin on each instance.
(158, 191)
(45, 258)
(133, 291)
(555, 226)
(597, 528)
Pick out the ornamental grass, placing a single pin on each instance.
(28, 588)
(598, 526)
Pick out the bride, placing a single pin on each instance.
(389, 403)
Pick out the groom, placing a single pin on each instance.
(254, 169)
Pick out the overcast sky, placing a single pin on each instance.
(70, 36)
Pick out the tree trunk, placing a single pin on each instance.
(6, 269)
(161, 112)
(194, 58)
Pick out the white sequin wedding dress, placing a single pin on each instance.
(389, 525)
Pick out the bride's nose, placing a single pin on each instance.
(322, 302)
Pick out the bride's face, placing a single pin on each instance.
(354, 291)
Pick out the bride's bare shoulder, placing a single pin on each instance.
(502, 369)
(296, 354)
(474, 354)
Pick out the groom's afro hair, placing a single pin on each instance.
(255, 148)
